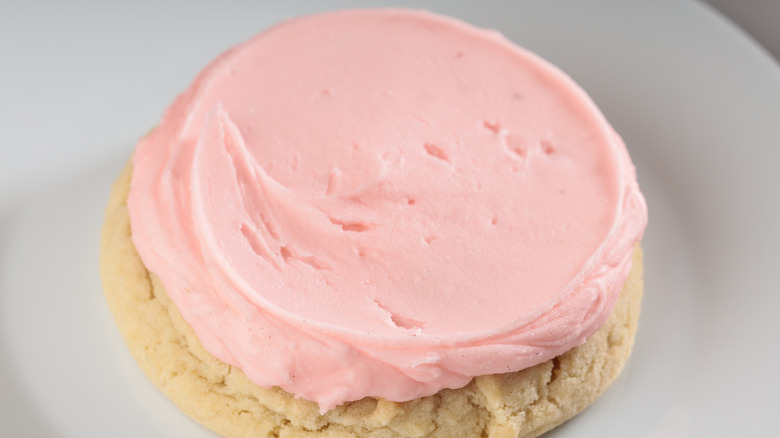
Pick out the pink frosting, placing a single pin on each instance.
(385, 203)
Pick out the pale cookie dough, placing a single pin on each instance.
(521, 404)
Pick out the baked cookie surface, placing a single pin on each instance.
(219, 396)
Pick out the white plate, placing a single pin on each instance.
(696, 101)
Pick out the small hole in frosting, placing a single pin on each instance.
(355, 227)
(547, 147)
(516, 145)
(492, 126)
(436, 151)
(407, 323)
(399, 320)
(351, 226)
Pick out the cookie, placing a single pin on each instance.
(519, 404)
(349, 226)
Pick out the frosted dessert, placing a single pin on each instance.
(386, 204)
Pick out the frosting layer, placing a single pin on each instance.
(385, 203)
